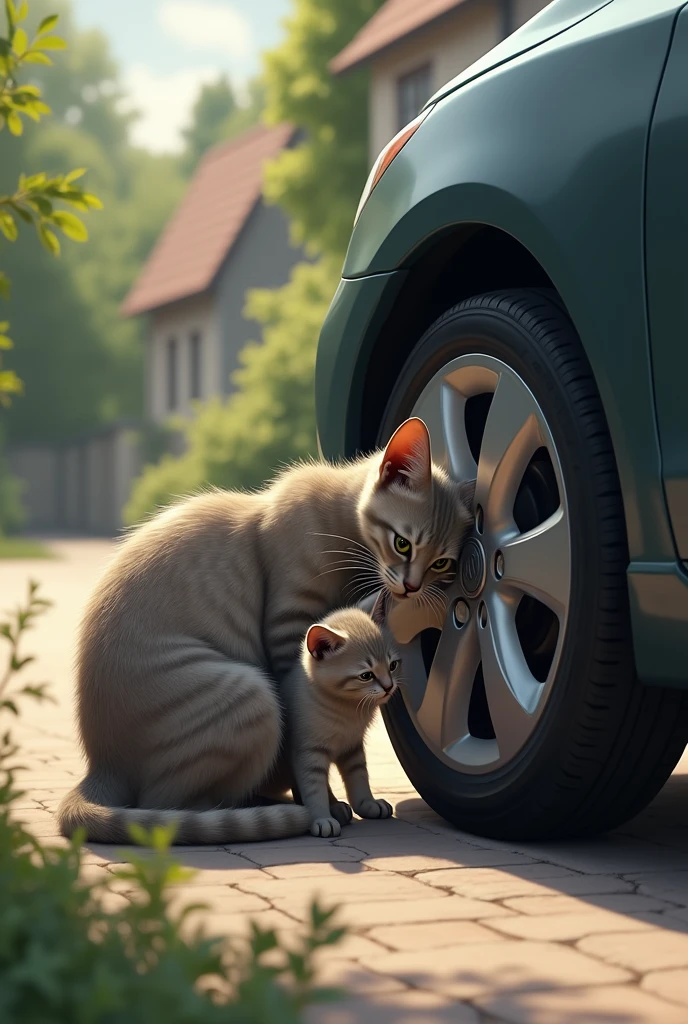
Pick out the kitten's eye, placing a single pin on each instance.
(441, 565)
(393, 666)
(401, 545)
(366, 676)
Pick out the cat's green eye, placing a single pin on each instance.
(401, 545)
(393, 666)
(366, 676)
(441, 565)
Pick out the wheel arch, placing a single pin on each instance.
(456, 263)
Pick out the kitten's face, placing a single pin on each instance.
(350, 657)
(413, 518)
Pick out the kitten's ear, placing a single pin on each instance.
(407, 458)
(379, 610)
(322, 640)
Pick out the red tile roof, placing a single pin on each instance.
(207, 223)
(395, 20)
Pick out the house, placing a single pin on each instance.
(222, 240)
(412, 47)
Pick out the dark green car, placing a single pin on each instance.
(517, 276)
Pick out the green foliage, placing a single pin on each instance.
(320, 181)
(34, 200)
(270, 419)
(217, 117)
(80, 360)
(66, 957)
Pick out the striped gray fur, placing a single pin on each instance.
(187, 640)
(348, 668)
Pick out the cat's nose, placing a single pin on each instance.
(409, 588)
(387, 685)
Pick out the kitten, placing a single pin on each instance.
(201, 614)
(348, 668)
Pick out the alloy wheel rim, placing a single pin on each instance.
(477, 699)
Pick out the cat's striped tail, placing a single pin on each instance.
(104, 824)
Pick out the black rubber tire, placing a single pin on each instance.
(605, 744)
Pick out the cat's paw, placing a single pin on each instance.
(372, 808)
(326, 828)
(340, 810)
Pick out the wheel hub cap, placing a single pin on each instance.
(472, 568)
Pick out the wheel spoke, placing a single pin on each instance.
(442, 408)
(512, 435)
(539, 562)
(511, 689)
(443, 714)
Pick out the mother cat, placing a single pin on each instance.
(202, 612)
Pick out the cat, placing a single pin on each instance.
(199, 617)
(348, 668)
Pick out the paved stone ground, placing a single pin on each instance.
(445, 926)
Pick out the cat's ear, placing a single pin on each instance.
(407, 459)
(379, 610)
(322, 640)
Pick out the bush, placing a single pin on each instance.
(64, 959)
(270, 419)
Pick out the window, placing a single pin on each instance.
(195, 385)
(413, 90)
(172, 375)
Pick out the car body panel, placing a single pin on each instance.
(666, 234)
(549, 22)
(552, 151)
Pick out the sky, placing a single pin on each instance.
(167, 49)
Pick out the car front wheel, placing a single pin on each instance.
(522, 716)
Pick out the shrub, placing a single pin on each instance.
(65, 959)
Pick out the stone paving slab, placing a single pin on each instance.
(444, 925)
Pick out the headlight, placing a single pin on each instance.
(387, 155)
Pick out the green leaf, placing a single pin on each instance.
(14, 123)
(73, 175)
(50, 43)
(49, 239)
(48, 23)
(20, 42)
(11, 12)
(23, 10)
(70, 225)
(8, 226)
(6, 342)
(92, 201)
(35, 57)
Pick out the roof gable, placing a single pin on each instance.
(221, 195)
(394, 21)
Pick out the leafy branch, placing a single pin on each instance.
(35, 197)
(13, 630)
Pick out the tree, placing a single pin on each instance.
(319, 182)
(37, 200)
(80, 360)
(217, 116)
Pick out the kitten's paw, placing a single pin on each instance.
(374, 809)
(326, 828)
(341, 812)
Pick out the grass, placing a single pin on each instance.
(23, 547)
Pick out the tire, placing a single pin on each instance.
(603, 744)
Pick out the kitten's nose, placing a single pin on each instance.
(409, 588)
(387, 685)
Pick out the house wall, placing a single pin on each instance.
(449, 47)
(262, 257)
(180, 321)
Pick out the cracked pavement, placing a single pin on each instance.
(444, 926)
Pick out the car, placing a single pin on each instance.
(516, 277)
